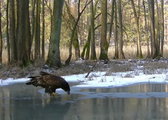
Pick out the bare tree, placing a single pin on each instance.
(80, 12)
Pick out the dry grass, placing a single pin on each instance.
(129, 51)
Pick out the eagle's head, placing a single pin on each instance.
(66, 87)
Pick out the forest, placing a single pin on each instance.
(84, 59)
(57, 31)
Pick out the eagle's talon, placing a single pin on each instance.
(53, 94)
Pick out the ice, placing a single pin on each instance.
(13, 81)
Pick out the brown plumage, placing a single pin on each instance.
(49, 82)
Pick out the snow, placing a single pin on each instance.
(100, 79)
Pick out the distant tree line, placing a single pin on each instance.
(28, 26)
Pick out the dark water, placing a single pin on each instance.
(138, 102)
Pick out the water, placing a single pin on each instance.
(138, 102)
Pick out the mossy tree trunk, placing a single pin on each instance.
(23, 33)
(103, 43)
(86, 49)
(76, 45)
(54, 50)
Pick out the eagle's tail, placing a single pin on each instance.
(33, 81)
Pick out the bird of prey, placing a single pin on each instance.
(50, 82)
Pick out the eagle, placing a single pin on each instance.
(50, 82)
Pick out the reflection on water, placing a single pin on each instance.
(138, 102)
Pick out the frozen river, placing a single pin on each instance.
(136, 102)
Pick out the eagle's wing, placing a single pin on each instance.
(44, 73)
(33, 81)
(51, 80)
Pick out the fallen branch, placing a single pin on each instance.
(91, 70)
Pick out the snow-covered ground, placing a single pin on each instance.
(100, 79)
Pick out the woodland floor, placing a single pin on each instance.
(148, 66)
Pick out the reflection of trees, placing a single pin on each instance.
(122, 108)
(41, 108)
(21, 102)
(4, 104)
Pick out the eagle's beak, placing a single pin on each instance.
(68, 92)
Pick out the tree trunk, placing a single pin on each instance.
(7, 31)
(54, 51)
(116, 55)
(103, 43)
(74, 29)
(12, 33)
(1, 43)
(33, 4)
(92, 41)
(86, 49)
(139, 51)
(23, 34)
(37, 30)
(111, 20)
(155, 49)
(43, 29)
(157, 30)
(162, 27)
(120, 42)
(146, 30)
(76, 45)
